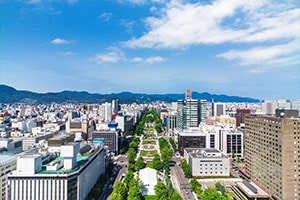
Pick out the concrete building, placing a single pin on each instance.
(171, 122)
(125, 123)
(296, 105)
(269, 106)
(272, 154)
(225, 120)
(249, 190)
(195, 138)
(109, 138)
(106, 112)
(121, 122)
(218, 109)
(11, 145)
(286, 113)
(240, 116)
(230, 141)
(77, 125)
(8, 164)
(24, 125)
(190, 112)
(207, 162)
(29, 142)
(224, 138)
(203, 111)
(115, 105)
(65, 178)
(55, 143)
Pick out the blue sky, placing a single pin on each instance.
(233, 47)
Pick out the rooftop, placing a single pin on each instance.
(205, 153)
(81, 160)
(4, 159)
(252, 190)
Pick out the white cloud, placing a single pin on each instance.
(266, 57)
(266, 54)
(149, 60)
(157, 59)
(183, 24)
(110, 57)
(137, 59)
(105, 16)
(61, 41)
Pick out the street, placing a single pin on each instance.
(119, 170)
(180, 183)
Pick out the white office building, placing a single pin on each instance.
(230, 141)
(121, 122)
(70, 176)
(207, 162)
(106, 112)
(224, 138)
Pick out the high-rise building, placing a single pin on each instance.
(188, 94)
(272, 149)
(106, 112)
(190, 112)
(115, 105)
(203, 114)
(171, 122)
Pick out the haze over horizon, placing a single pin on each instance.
(232, 47)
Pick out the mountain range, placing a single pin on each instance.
(11, 95)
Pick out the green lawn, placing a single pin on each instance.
(148, 135)
(149, 142)
(150, 197)
(149, 164)
(146, 153)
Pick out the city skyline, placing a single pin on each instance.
(223, 47)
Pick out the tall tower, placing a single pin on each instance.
(188, 112)
(272, 146)
(188, 94)
(203, 116)
(115, 105)
(106, 112)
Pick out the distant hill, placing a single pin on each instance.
(11, 95)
